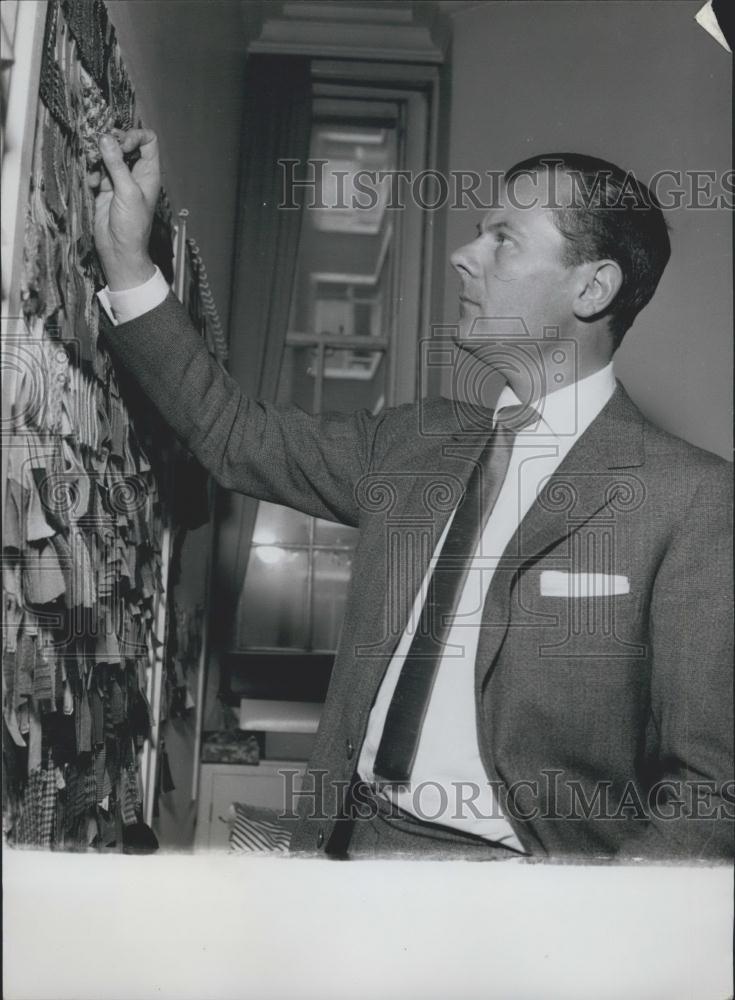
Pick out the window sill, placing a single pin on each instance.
(278, 676)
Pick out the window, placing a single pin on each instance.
(343, 352)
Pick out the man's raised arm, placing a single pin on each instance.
(283, 455)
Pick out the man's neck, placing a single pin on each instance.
(568, 408)
(527, 391)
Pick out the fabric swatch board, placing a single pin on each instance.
(91, 483)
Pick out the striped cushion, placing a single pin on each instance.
(255, 830)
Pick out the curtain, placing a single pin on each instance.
(276, 125)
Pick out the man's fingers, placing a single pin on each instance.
(117, 169)
(144, 139)
(146, 171)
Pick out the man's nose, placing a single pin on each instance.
(461, 262)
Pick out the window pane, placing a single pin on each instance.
(297, 383)
(329, 533)
(334, 316)
(348, 152)
(331, 578)
(354, 380)
(276, 525)
(273, 602)
(363, 320)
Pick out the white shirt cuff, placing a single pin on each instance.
(130, 303)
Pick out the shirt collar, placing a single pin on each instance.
(567, 412)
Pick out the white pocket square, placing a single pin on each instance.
(555, 583)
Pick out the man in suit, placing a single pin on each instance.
(536, 656)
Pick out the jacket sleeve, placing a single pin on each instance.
(691, 814)
(280, 454)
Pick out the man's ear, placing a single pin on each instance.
(601, 283)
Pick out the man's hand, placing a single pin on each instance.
(124, 207)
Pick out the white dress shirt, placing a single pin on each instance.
(449, 785)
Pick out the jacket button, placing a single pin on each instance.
(320, 838)
(349, 749)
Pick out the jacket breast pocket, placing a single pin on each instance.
(571, 615)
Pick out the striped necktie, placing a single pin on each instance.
(399, 741)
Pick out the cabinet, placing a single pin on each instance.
(261, 784)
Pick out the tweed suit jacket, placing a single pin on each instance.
(604, 719)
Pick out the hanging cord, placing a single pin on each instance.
(215, 333)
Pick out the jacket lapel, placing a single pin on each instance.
(585, 486)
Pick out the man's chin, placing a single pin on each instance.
(488, 329)
(479, 346)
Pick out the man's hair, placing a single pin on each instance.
(612, 216)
